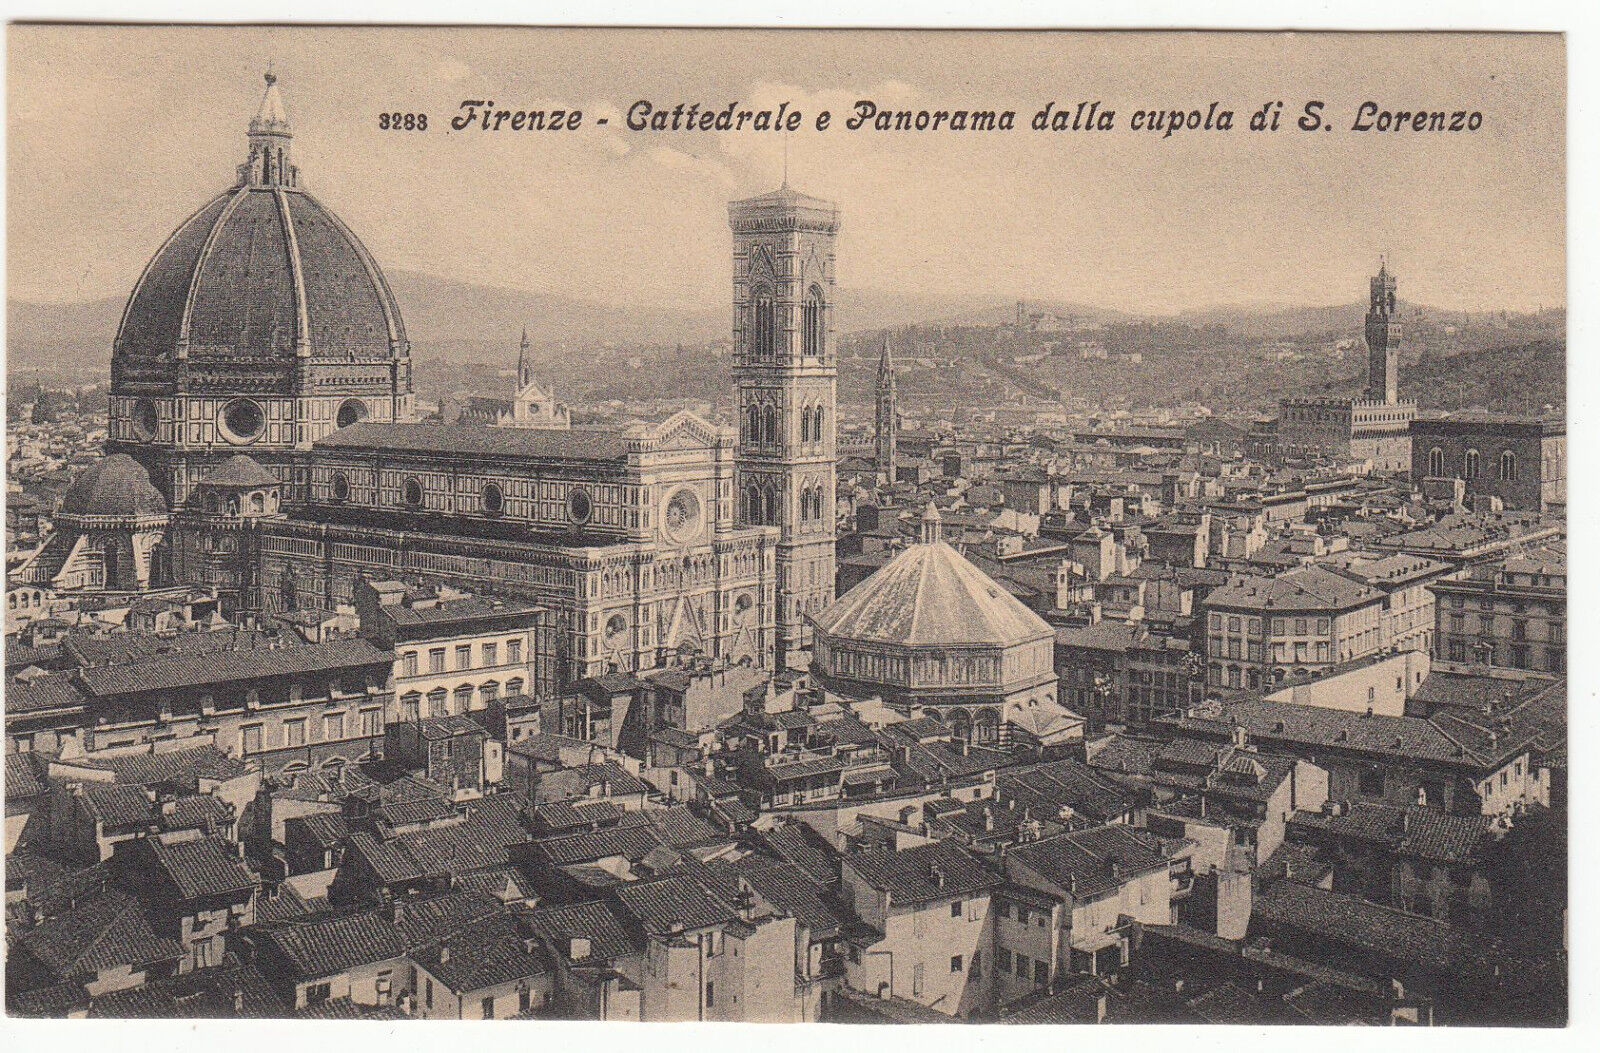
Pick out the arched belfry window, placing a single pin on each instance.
(816, 424)
(1435, 463)
(769, 425)
(815, 321)
(752, 505)
(1469, 465)
(752, 431)
(1508, 466)
(764, 323)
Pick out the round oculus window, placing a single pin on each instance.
(412, 493)
(145, 420)
(494, 501)
(351, 412)
(340, 485)
(579, 507)
(242, 421)
(615, 626)
(682, 517)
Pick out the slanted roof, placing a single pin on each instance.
(671, 903)
(791, 891)
(1090, 863)
(257, 663)
(103, 931)
(923, 873)
(482, 954)
(595, 921)
(202, 867)
(481, 441)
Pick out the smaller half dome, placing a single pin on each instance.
(239, 472)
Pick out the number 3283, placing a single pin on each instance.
(403, 122)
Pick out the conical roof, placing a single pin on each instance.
(930, 595)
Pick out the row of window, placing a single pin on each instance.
(439, 699)
(1280, 626)
(409, 661)
(295, 731)
(1023, 967)
(764, 322)
(1471, 465)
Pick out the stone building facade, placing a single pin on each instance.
(1520, 460)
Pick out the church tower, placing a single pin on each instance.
(1383, 339)
(786, 372)
(888, 417)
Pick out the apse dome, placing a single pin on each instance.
(117, 487)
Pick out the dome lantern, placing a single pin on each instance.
(269, 163)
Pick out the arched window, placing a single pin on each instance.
(1508, 466)
(1469, 465)
(815, 322)
(752, 505)
(816, 424)
(769, 505)
(805, 424)
(1435, 462)
(769, 425)
(752, 431)
(258, 502)
(764, 324)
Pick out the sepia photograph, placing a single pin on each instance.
(786, 526)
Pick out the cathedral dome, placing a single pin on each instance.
(117, 487)
(262, 274)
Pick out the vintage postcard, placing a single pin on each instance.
(786, 526)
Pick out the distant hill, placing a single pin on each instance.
(1522, 377)
(456, 321)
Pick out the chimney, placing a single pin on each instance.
(938, 876)
(238, 1000)
(988, 819)
(444, 953)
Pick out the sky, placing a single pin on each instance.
(116, 134)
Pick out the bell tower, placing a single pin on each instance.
(1383, 339)
(888, 420)
(786, 374)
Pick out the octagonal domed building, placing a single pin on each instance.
(930, 631)
(260, 325)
